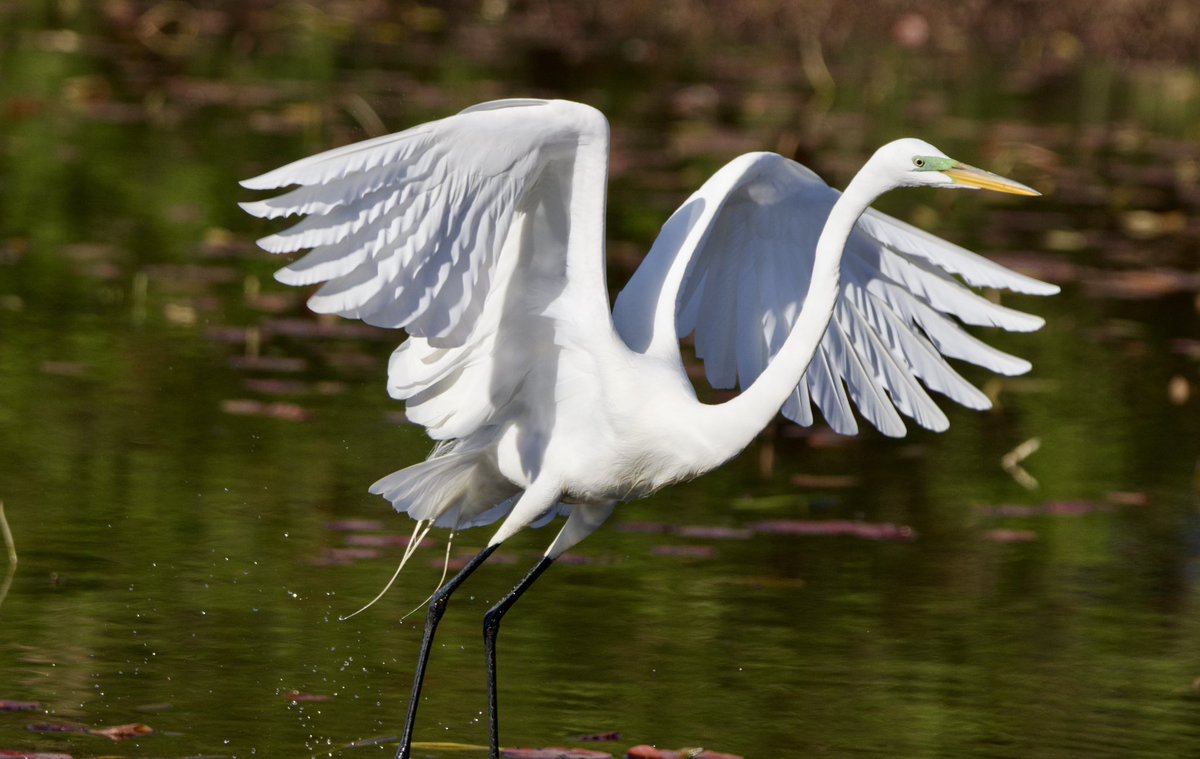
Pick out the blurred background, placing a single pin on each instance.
(185, 450)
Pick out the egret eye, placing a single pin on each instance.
(919, 163)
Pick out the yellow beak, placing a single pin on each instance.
(970, 176)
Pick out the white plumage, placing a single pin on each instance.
(481, 235)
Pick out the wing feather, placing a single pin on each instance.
(905, 300)
(915, 353)
(828, 393)
(865, 387)
(900, 382)
(935, 286)
(972, 267)
(422, 230)
(405, 228)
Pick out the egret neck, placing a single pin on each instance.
(730, 426)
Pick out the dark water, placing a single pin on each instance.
(182, 447)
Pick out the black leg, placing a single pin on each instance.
(491, 628)
(437, 607)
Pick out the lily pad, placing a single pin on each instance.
(248, 407)
(1010, 536)
(552, 753)
(650, 752)
(685, 552)
(705, 532)
(826, 527)
(123, 732)
(50, 727)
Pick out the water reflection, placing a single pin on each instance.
(178, 436)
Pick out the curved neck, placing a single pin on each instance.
(731, 426)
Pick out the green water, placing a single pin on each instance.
(184, 565)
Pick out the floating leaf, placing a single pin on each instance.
(276, 386)
(246, 407)
(1050, 268)
(340, 557)
(355, 525)
(1186, 347)
(272, 303)
(48, 727)
(1009, 511)
(1073, 508)
(1139, 284)
(1062, 508)
(577, 560)
(552, 753)
(714, 533)
(1010, 536)
(183, 277)
(123, 732)
(227, 335)
(819, 437)
(19, 706)
(685, 552)
(268, 363)
(384, 541)
(765, 581)
(1128, 498)
(650, 752)
(325, 328)
(642, 528)
(864, 530)
(823, 481)
(766, 503)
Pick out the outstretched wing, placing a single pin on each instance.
(751, 233)
(405, 229)
(422, 230)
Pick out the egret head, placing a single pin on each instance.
(916, 163)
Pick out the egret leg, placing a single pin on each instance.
(491, 628)
(437, 607)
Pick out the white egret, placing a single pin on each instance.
(482, 235)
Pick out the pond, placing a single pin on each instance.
(185, 450)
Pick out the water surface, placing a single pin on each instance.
(185, 451)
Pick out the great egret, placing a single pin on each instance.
(482, 235)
